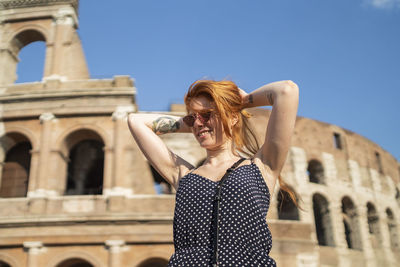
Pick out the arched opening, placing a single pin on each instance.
(154, 262)
(323, 223)
(315, 172)
(16, 166)
(75, 262)
(31, 63)
(351, 226)
(287, 210)
(4, 264)
(85, 164)
(161, 186)
(397, 196)
(30, 46)
(373, 226)
(392, 228)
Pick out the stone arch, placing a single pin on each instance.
(161, 255)
(16, 163)
(323, 220)
(4, 264)
(26, 35)
(287, 210)
(74, 262)
(85, 162)
(154, 262)
(315, 172)
(8, 261)
(373, 226)
(64, 54)
(63, 147)
(351, 224)
(72, 257)
(392, 228)
(22, 131)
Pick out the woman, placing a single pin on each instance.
(220, 215)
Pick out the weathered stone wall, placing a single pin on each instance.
(348, 187)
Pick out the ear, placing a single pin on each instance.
(235, 119)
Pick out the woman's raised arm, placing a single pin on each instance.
(145, 128)
(283, 96)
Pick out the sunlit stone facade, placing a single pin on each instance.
(76, 191)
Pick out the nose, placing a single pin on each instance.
(197, 120)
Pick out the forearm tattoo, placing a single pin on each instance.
(165, 124)
(250, 99)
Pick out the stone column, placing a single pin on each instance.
(32, 183)
(117, 185)
(64, 56)
(108, 168)
(8, 64)
(115, 247)
(44, 154)
(385, 235)
(365, 236)
(335, 207)
(299, 163)
(33, 248)
(1, 171)
(2, 151)
(330, 169)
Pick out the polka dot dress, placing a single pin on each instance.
(244, 237)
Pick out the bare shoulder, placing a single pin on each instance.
(266, 172)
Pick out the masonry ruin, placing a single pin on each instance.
(75, 190)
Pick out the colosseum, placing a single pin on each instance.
(75, 191)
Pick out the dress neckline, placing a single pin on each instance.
(206, 178)
(244, 165)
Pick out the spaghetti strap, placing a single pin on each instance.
(243, 239)
(192, 170)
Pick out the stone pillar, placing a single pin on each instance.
(115, 248)
(117, 185)
(32, 183)
(330, 169)
(335, 207)
(299, 163)
(365, 236)
(1, 171)
(44, 155)
(376, 183)
(108, 168)
(355, 175)
(65, 59)
(383, 222)
(8, 65)
(33, 248)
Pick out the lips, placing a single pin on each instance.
(204, 132)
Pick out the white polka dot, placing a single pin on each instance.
(244, 236)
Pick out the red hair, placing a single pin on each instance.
(229, 106)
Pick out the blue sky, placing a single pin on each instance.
(344, 55)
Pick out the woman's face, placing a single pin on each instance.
(209, 134)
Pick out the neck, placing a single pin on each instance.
(221, 155)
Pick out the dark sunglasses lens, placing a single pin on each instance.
(205, 116)
(189, 120)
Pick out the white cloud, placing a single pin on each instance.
(384, 4)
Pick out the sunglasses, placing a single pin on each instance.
(203, 118)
